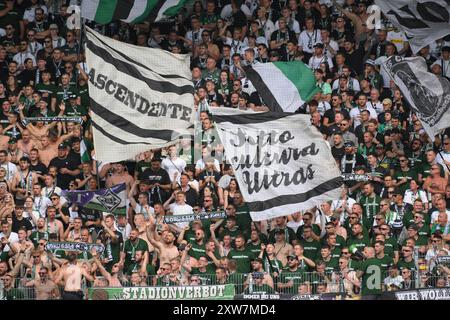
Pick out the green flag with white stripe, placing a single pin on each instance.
(283, 86)
(131, 11)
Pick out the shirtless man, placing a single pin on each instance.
(53, 224)
(48, 149)
(166, 247)
(71, 275)
(26, 144)
(113, 277)
(45, 288)
(119, 176)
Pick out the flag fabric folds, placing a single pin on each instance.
(427, 93)
(281, 163)
(112, 200)
(140, 98)
(283, 86)
(422, 21)
(131, 11)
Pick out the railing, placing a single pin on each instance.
(288, 284)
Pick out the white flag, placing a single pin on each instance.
(141, 98)
(281, 162)
(422, 21)
(427, 93)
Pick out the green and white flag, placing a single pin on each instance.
(131, 11)
(112, 200)
(84, 152)
(283, 86)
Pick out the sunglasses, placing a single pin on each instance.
(383, 205)
(406, 250)
(345, 252)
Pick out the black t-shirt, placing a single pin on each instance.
(330, 113)
(17, 224)
(89, 215)
(39, 168)
(157, 194)
(62, 180)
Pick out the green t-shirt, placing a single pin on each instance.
(135, 267)
(370, 206)
(331, 265)
(205, 277)
(243, 259)
(289, 235)
(410, 175)
(48, 89)
(232, 233)
(359, 243)
(243, 219)
(354, 265)
(130, 249)
(390, 245)
(386, 262)
(340, 241)
(36, 236)
(402, 264)
(197, 250)
(112, 250)
(372, 276)
(62, 94)
(297, 277)
(311, 249)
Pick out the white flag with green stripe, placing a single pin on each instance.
(84, 152)
(283, 86)
(131, 11)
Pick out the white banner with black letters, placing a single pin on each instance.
(282, 164)
(423, 21)
(427, 93)
(140, 98)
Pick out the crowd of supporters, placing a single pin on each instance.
(393, 212)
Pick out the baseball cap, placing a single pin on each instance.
(349, 143)
(370, 62)
(445, 48)
(73, 96)
(292, 256)
(319, 45)
(279, 231)
(53, 26)
(61, 146)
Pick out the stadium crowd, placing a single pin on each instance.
(393, 213)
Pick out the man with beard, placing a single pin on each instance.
(166, 246)
(45, 288)
(133, 244)
(160, 183)
(112, 240)
(351, 158)
(24, 179)
(72, 275)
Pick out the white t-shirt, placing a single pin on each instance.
(377, 106)
(11, 170)
(410, 197)
(236, 45)
(201, 165)
(172, 166)
(13, 238)
(397, 38)
(355, 112)
(41, 204)
(307, 40)
(21, 57)
(315, 61)
(435, 214)
(268, 27)
(29, 12)
(446, 156)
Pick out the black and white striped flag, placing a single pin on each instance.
(281, 162)
(141, 98)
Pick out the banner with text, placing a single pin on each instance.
(281, 162)
(193, 217)
(214, 292)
